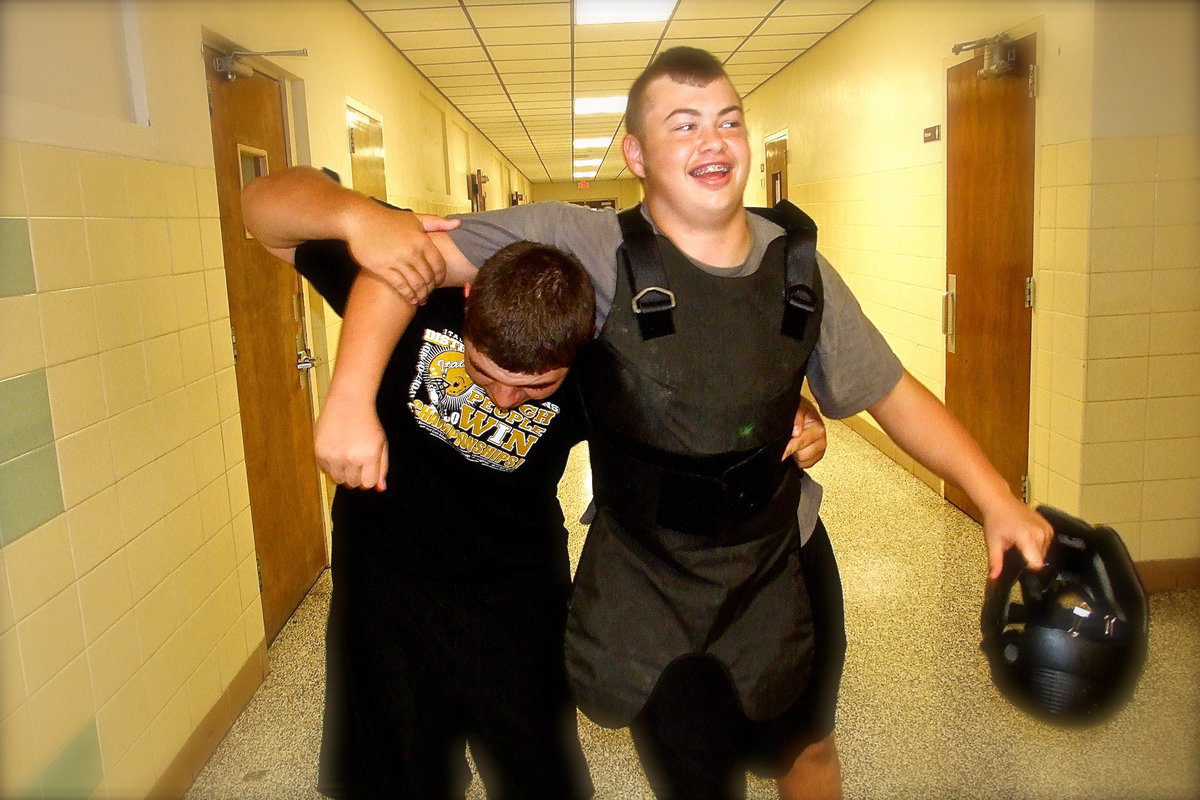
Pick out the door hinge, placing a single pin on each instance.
(350, 133)
(233, 339)
(1025, 489)
(1033, 81)
(1029, 292)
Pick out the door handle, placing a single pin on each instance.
(950, 311)
(305, 360)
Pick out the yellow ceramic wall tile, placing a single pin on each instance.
(51, 178)
(19, 762)
(111, 250)
(231, 653)
(243, 536)
(1064, 493)
(124, 378)
(1122, 249)
(118, 319)
(185, 528)
(1170, 539)
(150, 563)
(162, 675)
(203, 410)
(1175, 376)
(210, 244)
(1069, 376)
(1065, 456)
(1047, 211)
(1172, 499)
(1112, 293)
(21, 350)
(186, 255)
(164, 364)
(95, 529)
(1047, 165)
(177, 471)
(156, 299)
(150, 245)
(1168, 459)
(60, 253)
(120, 720)
(1176, 290)
(105, 595)
(76, 395)
(136, 773)
(217, 293)
(1118, 337)
(206, 192)
(203, 687)
(1179, 157)
(231, 438)
(1112, 462)
(1178, 202)
(141, 505)
(179, 184)
(1074, 207)
(1177, 247)
(85, 463)
(192, 582)
(50, 638)
(1131, 535)
(1174, 333)
(1075, 163)
(1125, 160)
(253, 619)
(102, 177)
(133, 437)
(1042, 400)
(1114, 421)
(68, 322)
(1070, 335)
(61, 708)
(39, 567)
(171, 728)
(1105, 502)
(1123, 205)
(147, 194)
(1117, 378)
(239, 490)
(171, 419)
(157, 616)
(196, 347)
(222, 343)
(215, 511)
(12, 193)
(1070, 292)
(191, 299)
(12, 678)
(1066, 417)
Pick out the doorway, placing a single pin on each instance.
(271, 355)
(989, 260)
(366, 153)
(776, 169)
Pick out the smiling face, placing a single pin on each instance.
(693, 154)
(509, 389)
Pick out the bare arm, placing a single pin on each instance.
(350, 442)
(410, 252)
(921, 425)
(808, 442)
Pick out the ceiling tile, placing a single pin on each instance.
(719, 9)
(717, 45)
(688, 29)
(434, 71)
(448, 55)
(516, 16)
(801, 7)
(796, 42)
(762, 57)
(511, 52)
(529, 34)
(805, 24)
(377, 5)
(453, 82)
(546, 65)
(425, 19)
(640, 47)
(473, 3)
(610, 63)
(424, 40)
(619, 32)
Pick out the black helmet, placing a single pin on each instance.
(1068, 642)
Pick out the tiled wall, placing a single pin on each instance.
(130, 597)
(1117, 406)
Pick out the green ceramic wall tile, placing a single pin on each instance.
(16, 258)
(30, 493)
(75, 772)
(25, 423)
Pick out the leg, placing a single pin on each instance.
(816, 774)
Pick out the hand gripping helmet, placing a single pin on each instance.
(1068, 642)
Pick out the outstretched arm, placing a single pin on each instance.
(350, 443)
(921, 425)
(410, 252)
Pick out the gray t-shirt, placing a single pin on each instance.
(851, 368)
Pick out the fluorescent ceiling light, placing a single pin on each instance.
(600, 105)
(584, 144)
(601, 12)
(591, 174)
(588, 162)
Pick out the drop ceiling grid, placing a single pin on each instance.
(514, 68)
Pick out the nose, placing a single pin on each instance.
(507, 396)
(711, 138)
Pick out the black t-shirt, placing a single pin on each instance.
(472, 490)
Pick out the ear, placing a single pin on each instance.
(632, 149)
(466, 290)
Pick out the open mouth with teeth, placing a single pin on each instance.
(710, 170)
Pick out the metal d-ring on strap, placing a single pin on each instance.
(653, 299)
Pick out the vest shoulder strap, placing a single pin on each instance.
(640, 256)
(800, 258)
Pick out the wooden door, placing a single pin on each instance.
(266, 313)
(989, 259)
(776, 157)
(366, 154)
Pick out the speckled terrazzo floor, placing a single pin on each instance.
(918, 716)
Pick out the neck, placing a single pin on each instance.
(717, 240)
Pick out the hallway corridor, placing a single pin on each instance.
(918, 715)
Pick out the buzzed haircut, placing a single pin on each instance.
(688, 65)
(530, 309)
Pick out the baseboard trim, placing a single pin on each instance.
(1169, 574)
(200, 746)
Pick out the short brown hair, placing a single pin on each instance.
(530, 309)
(687, 65)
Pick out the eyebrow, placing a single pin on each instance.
(695, 112)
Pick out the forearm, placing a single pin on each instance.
(919, 423)
(375, 319)
(299, 204)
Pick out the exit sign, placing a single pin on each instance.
(584, 184)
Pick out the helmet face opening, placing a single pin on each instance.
(1068, 642)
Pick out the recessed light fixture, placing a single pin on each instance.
(588, 162)
(591, 174)
(607, 12)
(585, 144)
(600, 105)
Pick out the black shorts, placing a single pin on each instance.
(693, 738)
(415, 670)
